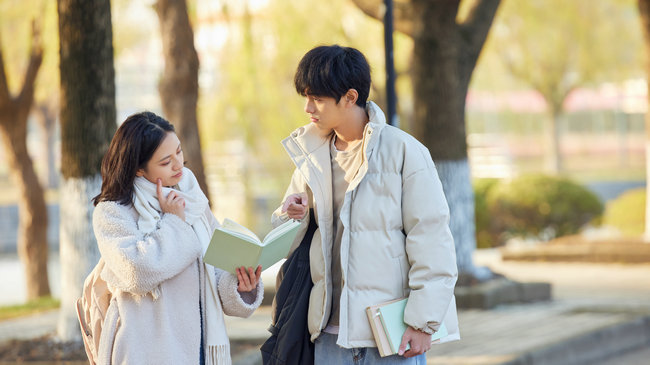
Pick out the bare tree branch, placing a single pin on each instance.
(35, 60)
(476, 26)
(4, 88)
(644, 10)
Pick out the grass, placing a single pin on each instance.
(31, 307)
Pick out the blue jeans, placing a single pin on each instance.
(328, 352)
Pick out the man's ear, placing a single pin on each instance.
(351, 97)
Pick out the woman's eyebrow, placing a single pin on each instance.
(168, 156)
(164, 158)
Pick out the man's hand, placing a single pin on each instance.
(295, 206)
(420, 342)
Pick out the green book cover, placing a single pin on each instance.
(233, 245)
(392, 319)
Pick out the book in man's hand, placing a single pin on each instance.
(233, 245)
(388, 327)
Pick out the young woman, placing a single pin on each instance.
(153, 224)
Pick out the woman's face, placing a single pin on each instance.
(166, 163)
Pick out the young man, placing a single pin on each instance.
(382, 216)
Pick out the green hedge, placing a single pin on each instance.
(627, 212)
(485, 235)
(532, 205)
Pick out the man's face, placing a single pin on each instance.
(323, 111)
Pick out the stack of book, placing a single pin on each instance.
(388, 327)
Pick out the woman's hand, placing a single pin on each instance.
(248, 279)
(172, 203)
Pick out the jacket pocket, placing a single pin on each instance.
(403, 265)
(109, 332)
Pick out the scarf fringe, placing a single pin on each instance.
(218, 355)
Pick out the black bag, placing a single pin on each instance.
(290, 340)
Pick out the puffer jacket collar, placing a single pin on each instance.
(308, 148)
(309, 142)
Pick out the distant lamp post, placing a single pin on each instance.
(391, 98)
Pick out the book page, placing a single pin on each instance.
(278, 246)
(279, 231)
(235, 227)
(229, 250)
(442, 332)
(234, 245)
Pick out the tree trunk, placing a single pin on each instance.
(88, 122)
(32, 223)
(46, 116)
(179, 85)
(445, 54)
(439, 94)
(644, 10)
(553, 163)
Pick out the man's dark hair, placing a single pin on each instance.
(132, 147)
(332, 71)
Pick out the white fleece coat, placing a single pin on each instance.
(166, 330)
(396, 238)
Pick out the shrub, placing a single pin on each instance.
(627, 212)
(541, 206)
(485, 238)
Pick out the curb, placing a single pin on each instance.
(499, 291)
(594, 346)
(627, 251)
(587, 348)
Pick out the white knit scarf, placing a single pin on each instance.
(145, 201)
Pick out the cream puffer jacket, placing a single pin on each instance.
(396, 239)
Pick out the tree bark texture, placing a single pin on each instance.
(179, 85)
(644, 10)
(46, 115)
(445, 55)
(32, 223)
(88, 122)
(438, 87)
(456, 182)
(78, 247)
(88, 116)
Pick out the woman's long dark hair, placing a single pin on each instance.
(131, 148)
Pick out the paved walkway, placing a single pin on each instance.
(599, 312)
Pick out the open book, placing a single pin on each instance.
(233, 245)
(388, 327)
